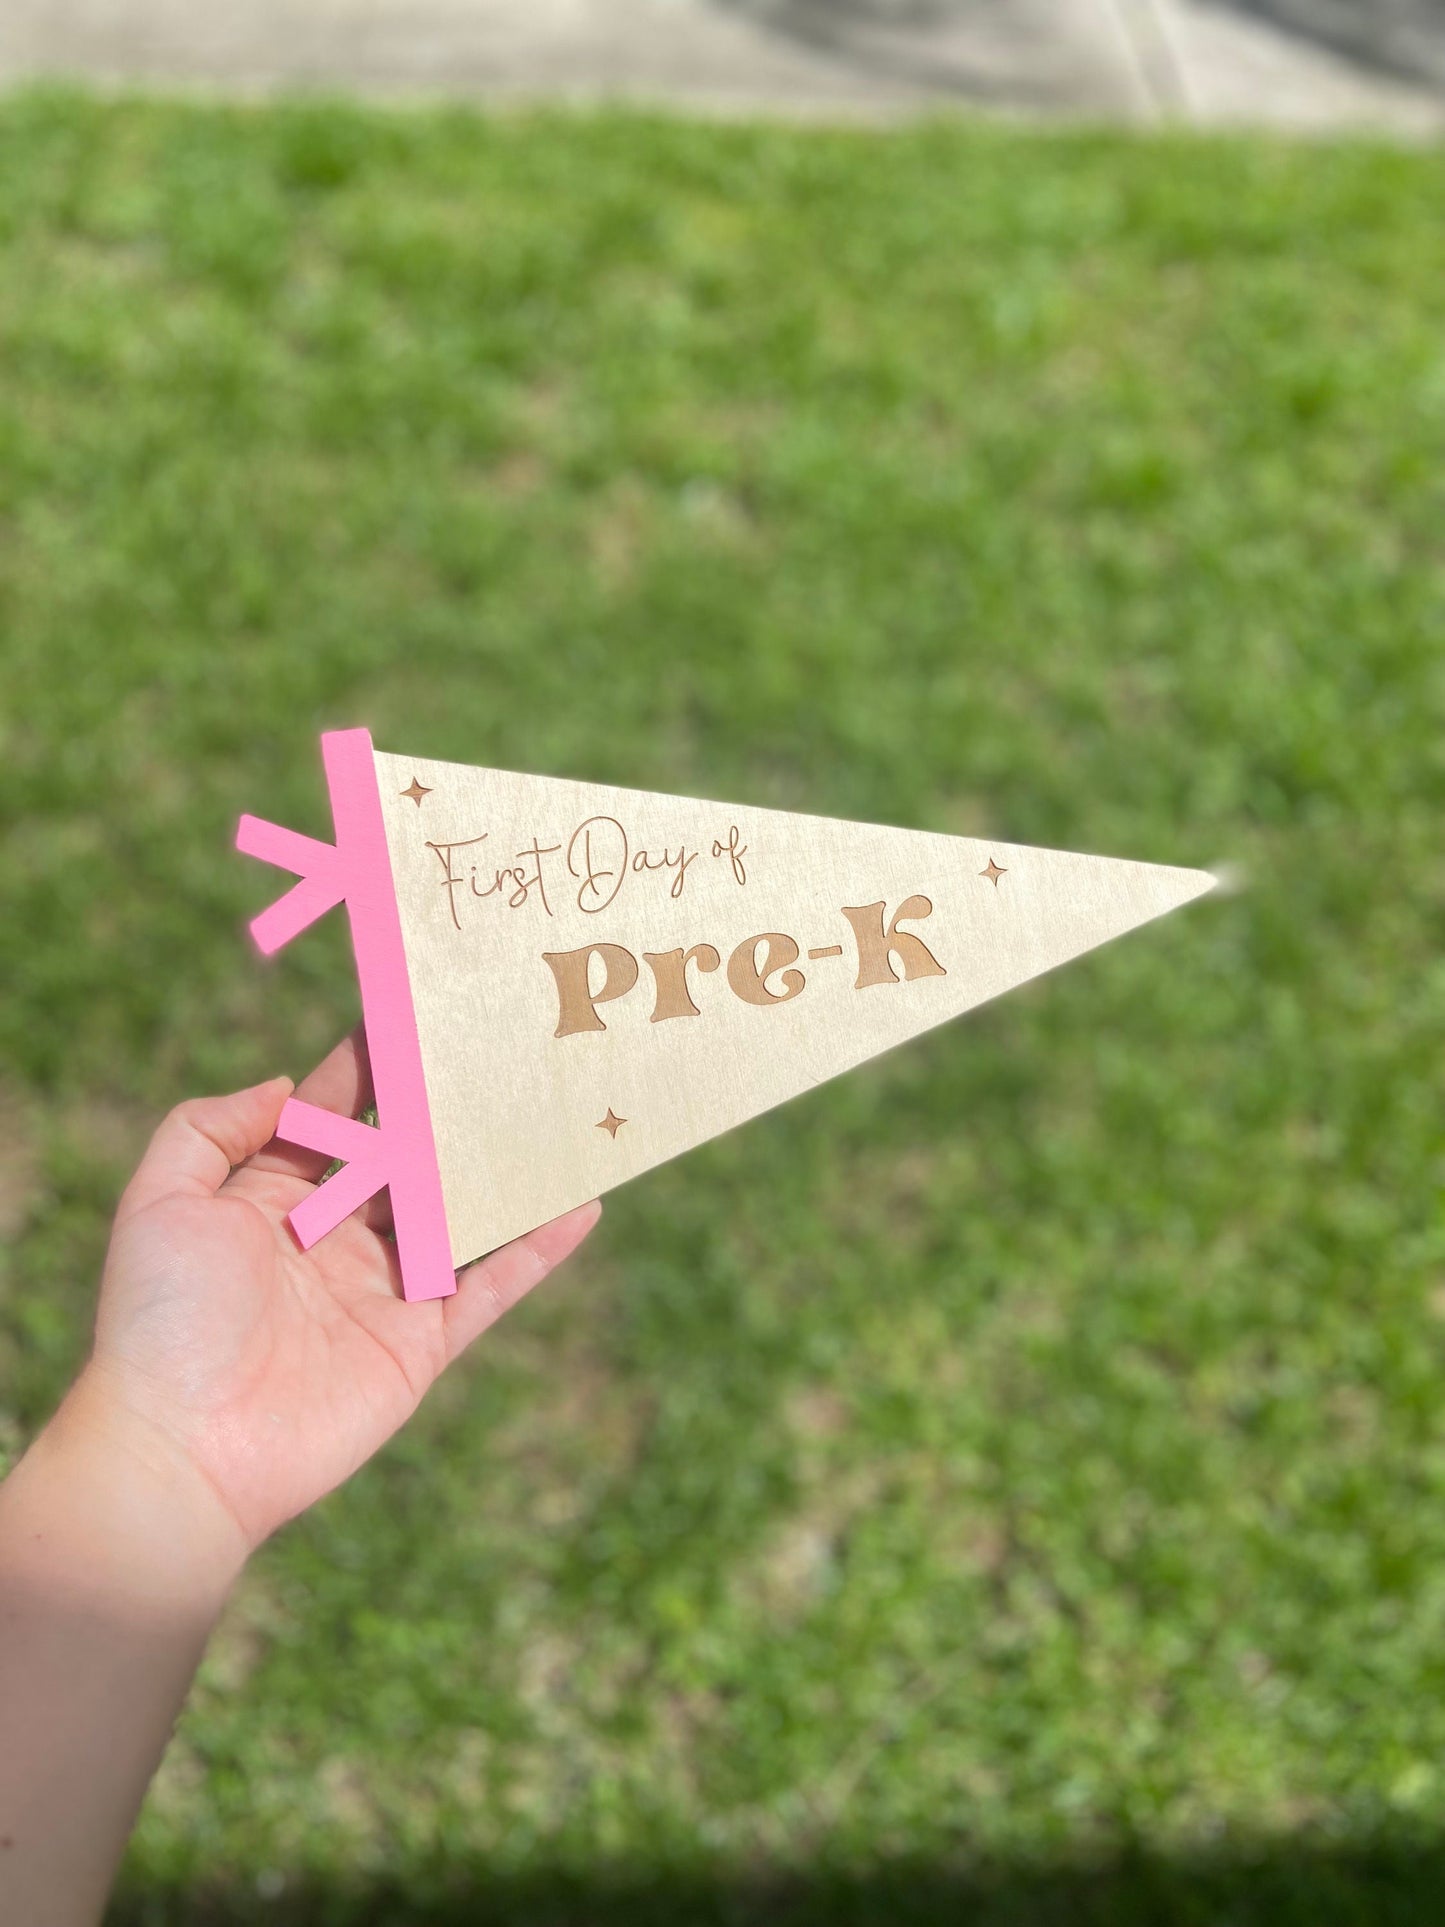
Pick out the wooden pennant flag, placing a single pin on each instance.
(564, 983)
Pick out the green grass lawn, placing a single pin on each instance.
(1007, 1484)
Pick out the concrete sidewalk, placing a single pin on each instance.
(1301, 64)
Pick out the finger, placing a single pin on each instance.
(487, 1289)
(198, 1144)
(341, 1082)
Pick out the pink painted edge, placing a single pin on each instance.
(316, 865)
(417, 1206)
(358, 868)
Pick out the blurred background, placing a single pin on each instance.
(1008, 1484)
(1300, 63)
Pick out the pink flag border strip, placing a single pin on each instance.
(400, 1152)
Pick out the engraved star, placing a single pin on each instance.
(416, 792)
(611, 1124)
(993, 873)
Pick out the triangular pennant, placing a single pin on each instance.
(565, 983)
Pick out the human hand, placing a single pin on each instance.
(269, 1372)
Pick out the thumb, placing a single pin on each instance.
(199, 1143)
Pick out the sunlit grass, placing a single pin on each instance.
(1029, 1447)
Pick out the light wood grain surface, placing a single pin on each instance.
(604, 977)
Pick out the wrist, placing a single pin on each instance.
(110, 1496)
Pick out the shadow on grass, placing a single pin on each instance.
(1278, 1884)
